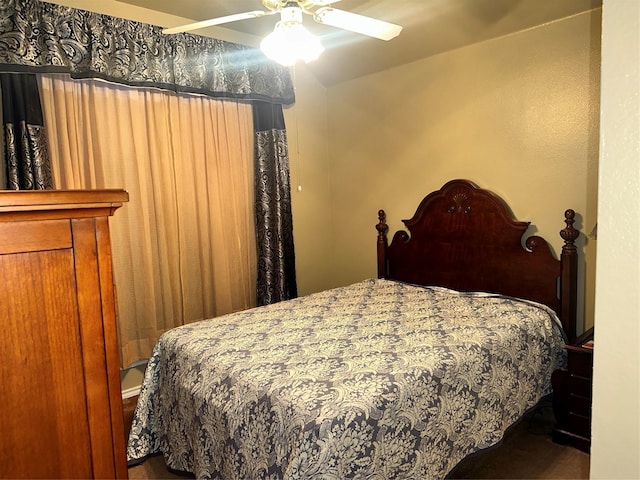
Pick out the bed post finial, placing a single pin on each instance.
(382, 228)
(569, 234)
(569, 275)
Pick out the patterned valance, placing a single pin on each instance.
(39, 36)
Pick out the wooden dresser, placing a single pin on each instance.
(572, 388)
(60, 398)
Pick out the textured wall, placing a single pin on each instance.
(616, 390)
(306, 123)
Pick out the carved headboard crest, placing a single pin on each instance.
(459, 204)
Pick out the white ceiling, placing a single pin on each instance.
(430, 27)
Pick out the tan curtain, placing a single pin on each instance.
(184, 246)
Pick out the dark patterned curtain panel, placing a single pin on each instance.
(40, 36)
(26, 158)
(274, 223)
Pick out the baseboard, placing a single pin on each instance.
(131, 392)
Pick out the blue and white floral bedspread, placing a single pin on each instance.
(375, 380)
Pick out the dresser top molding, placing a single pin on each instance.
(17, 205)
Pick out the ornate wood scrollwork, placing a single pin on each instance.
(532, 243)
(459, 201)
(569, 234)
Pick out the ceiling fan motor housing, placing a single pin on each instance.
(277, 5)
(291, 13)
(305, 5)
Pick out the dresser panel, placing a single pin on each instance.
(59, 365)
(41, 350)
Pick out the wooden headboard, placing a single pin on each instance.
(466, 238)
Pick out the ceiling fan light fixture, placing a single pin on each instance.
(290, 41)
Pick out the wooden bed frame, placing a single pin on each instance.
(466, 238)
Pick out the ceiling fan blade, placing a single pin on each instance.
(216, 21)
(357, 23)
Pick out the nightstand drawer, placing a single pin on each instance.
(572, 394)
(579, 425)
(580, 405)
(580, 386)
(580, 363)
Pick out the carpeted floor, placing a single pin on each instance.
(527, 452)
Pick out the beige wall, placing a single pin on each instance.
(616, 389)
(517, 115)
(306, 124)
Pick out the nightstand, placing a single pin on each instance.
(572, 394)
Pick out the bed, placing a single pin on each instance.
(399, 376)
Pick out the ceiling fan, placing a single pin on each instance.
(290, 40)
